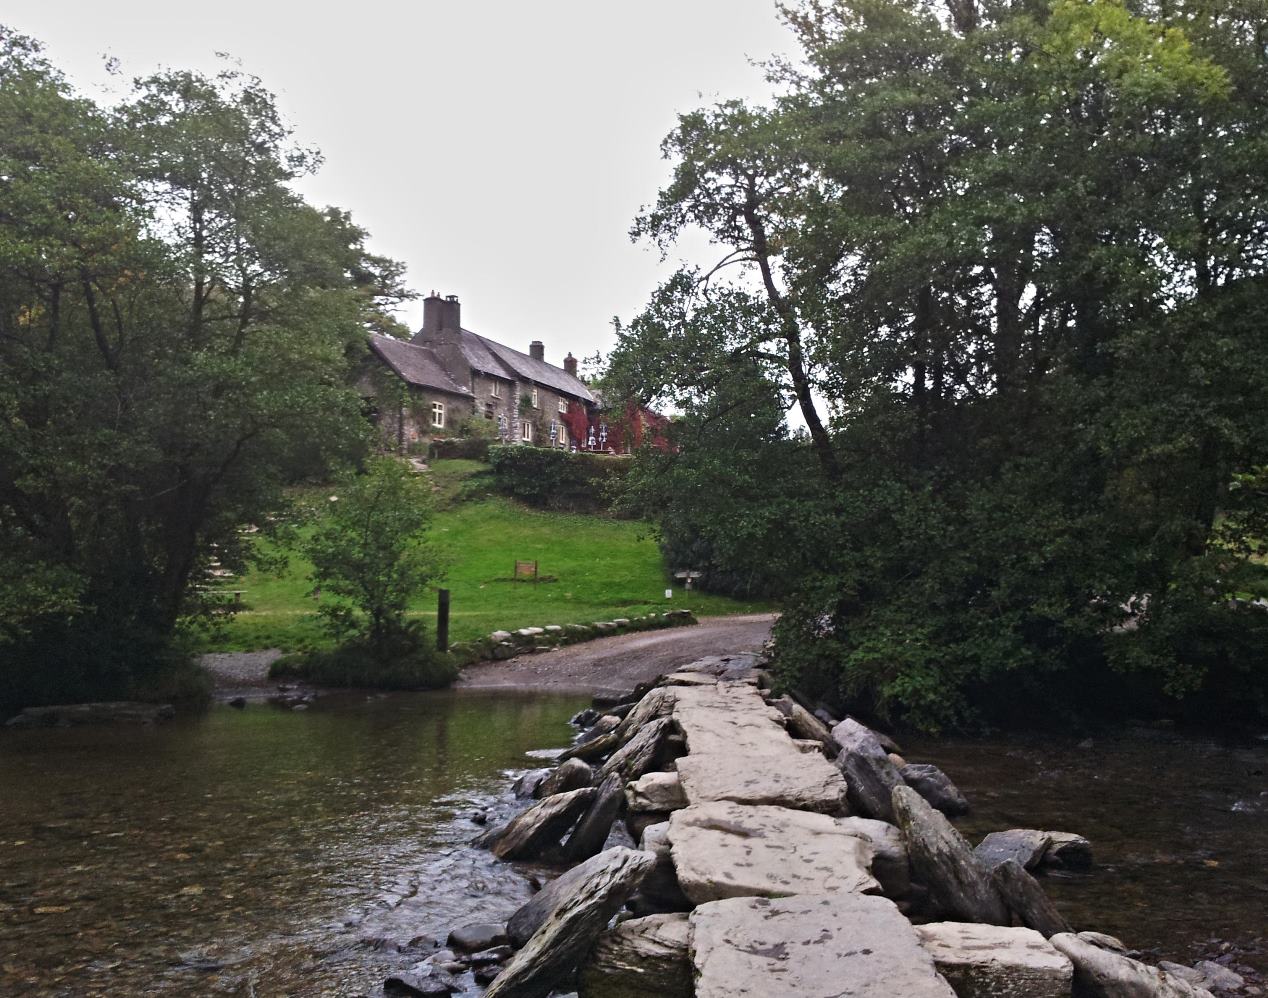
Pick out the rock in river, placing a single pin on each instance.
(943, 862)
(1102, 973)
(934, 786)
(643, 956)
(1027, 900)
(660, 792)
(1025, 845)
(810, 947)
(869, 774)
(591, 833)
(530, 834)
(574, 923)
(572, 774)
(992, 961)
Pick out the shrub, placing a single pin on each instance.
(472, 448)
(406, 662)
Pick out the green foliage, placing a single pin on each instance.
(176, 331)
(605, 568)
(1017, 256)
(403, 661)
(557, 479)
(369, 552)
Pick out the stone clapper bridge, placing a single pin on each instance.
(779, 856)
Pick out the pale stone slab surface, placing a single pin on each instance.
(643, 956)
(811, 947)
(1102, 973)
(993, 961)
(724, 850)
(889, 862)
(738, 750)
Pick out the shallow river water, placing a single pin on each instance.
(262, 851)
(270, 852)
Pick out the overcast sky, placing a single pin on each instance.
(500, 148)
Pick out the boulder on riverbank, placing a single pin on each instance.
(575, 921)
(1026, 899)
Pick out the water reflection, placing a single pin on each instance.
(261, 851)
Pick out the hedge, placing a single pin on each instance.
(557, 479)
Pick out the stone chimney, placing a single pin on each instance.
(440, 315)
(570, 364)
(536, 350)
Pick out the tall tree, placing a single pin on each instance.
(175, 332)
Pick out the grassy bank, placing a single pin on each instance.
(593, 568)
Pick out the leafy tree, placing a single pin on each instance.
(370, 551)
(176, 329)
(1015, 251)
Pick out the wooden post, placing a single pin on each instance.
(442, 621)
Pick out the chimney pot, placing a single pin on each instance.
(570, 364)
(537, 350)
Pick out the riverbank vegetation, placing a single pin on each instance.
(590, 568)
(176, 331)
(1006, 264)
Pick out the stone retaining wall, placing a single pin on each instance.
(779, 853)
(500, 645)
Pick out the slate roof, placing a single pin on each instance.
(417, 365)
(490, 357)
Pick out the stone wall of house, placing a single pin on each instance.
(404, 412)
(507, 404)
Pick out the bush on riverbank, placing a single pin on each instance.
(408, 663)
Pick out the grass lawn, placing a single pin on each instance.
(602, 568)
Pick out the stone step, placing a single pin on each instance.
(722, 850)
(812, 947)
(737, 750)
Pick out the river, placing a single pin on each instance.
(274, 852)
(256, 852)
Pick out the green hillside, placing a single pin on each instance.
(594, 568)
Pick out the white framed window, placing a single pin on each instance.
(496, 390)
(563, 405)
(526, 431)
(535, 402)
(438, 414)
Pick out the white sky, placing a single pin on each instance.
(499, 148)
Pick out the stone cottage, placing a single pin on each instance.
(447, 376)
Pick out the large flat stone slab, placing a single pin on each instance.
(725, 850)
(993, 961)
(827, 946)
(738, 750)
